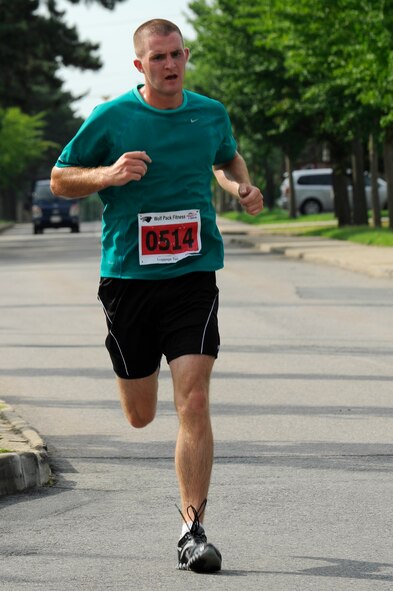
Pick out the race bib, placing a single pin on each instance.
(168, 237)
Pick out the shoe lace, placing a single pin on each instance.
(195, 516)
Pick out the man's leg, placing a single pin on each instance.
(194, 448)
(194, 459)
(138, 399)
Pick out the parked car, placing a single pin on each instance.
(50, 211)
(314, 191)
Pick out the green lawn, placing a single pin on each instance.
(275, 216)
(359, 234)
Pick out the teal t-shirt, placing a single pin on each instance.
(183, 145)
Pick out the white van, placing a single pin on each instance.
(314, 191)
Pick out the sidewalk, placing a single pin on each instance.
(375, 261)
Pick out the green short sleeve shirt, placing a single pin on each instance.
(165, 224)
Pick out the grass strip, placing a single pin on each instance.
(322, 227)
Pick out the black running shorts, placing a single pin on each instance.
(147, 319)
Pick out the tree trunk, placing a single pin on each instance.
(8, 205)
(341, 200)
(359, 203)
(373, 156)
(269, 191)
(340, 184)
(388, 162)
(292, 194)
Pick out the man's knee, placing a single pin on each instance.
(139, 420)
(139, 400)
(194, 406)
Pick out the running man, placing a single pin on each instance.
(150, 154)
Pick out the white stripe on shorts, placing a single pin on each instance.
(206, 325)
(114, 338)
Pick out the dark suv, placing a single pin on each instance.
(49, 211)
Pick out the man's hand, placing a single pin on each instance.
(131, 166)
(251, 198)
(77, 181)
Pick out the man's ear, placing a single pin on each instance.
(187, 53)
(138, 65)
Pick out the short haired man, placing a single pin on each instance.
(150, 154)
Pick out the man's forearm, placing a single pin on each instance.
(230, 175)
(233, 177)
(81, 182)
(78, 182)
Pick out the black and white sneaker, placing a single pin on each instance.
(194, 552)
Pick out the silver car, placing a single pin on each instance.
(314, 191)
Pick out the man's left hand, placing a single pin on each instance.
(251, 198)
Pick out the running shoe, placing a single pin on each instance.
(194, 552)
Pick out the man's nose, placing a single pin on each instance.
(169, 62)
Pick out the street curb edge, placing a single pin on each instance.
(20, 471)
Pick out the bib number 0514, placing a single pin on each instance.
(171, 240)
(168, 237)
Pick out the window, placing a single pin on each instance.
(315, 179)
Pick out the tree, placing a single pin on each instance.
(35, 41)
(33, 45)
(341, 57)
(292, 72)
(232, 64)
(310, 35)
(21, 143)
(369, 71)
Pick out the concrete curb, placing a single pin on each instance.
(27, 468)
(369, 260)
(6, 226)
(358, 260)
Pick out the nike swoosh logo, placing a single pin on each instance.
(194, 120)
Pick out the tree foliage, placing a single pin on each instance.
(35, 41)
(21, 143)
(225, 65)
(33, 45)
(295, 71)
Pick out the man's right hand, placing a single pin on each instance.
(131, 166)
(75, 181)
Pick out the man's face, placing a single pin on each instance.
(163, 62)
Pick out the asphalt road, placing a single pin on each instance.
(302, 489)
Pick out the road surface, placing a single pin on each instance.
(302, 489)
